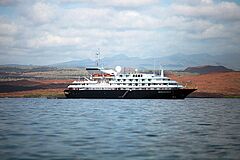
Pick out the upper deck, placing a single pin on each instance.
(126, 81)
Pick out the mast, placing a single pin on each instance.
(98, 57)
(154, 66)
(162, 73)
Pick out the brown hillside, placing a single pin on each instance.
(31, 85)
(208, 85)
(227, 84)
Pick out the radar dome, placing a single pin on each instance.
(118, 69)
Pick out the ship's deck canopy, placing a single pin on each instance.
(98, 70)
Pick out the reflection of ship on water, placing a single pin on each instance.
(112, 84)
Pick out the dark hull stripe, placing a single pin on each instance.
(127, 94)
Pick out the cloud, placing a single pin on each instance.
(129, 3)
(49, 40)
(76, 28)
(194, 2)
(107, 19)
(220, 11)
(6, 2)
(41, 12)
(7, 28)
(115, 3)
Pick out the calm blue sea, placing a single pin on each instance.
(119, 129)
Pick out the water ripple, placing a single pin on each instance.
(119, 129)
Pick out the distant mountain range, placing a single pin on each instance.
(172, 62)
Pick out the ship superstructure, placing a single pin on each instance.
(109, 83)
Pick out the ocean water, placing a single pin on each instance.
(119, 129)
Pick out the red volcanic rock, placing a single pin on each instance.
(226, 84)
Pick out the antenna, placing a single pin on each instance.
(161, 72)
(159, 66)
(98, 57)
(154, 66)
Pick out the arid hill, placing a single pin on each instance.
(33, 88)
(51, 83)
(212, 84)
(207, 69)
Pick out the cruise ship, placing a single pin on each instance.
(113, 84)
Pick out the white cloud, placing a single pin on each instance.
(116, 3)
(7, 28)
(6, 41)
(133, 19)
(216, 31)
(107, 19)
(49, 40)
(76, 29)
(220, 11)
(194, 2)
(129, 2)
(41, 12)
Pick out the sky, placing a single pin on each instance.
(45, 32)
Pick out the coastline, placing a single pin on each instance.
(214, 85)
(59, 94)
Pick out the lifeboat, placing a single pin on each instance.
(102, 75)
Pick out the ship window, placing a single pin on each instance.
(136, 84)
(118, 80)
(127, 75)
(149, 79)
(138, 75)
(136, 79)
(130, 80)
(124, 80)
(120, 75)
(149, 84)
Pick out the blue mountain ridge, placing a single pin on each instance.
(173, 62)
